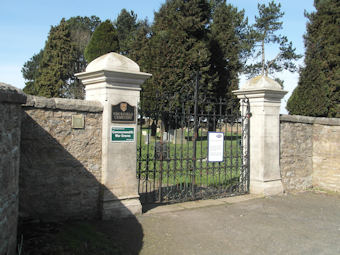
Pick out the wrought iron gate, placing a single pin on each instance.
(172, 155)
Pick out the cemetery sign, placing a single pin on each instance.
(123, 113)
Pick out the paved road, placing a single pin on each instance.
(305, 223)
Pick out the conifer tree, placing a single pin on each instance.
(318, 90)
(126, 24)
(179, 48)
(103, 40)
(266, 26)
(56, 64)
(230, 46)
(141, 52)
(140, 47)
(80, 30)
(30, 72)
(190, 36)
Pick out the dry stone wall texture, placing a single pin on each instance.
(296, 155)
(10, 119)
(326, 157)
(60, 169)
(310, 153)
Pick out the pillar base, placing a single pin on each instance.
(121, 208)
(266, 188)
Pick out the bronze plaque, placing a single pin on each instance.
(123, 113)
(78, 121)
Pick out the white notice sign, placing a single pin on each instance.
(215, 146)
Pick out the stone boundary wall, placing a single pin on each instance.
(10, 122)
(63, 104)
(310, 152)
(60, 170)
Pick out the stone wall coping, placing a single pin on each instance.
(63, 104)
(10, 94)
(264, 93)
(310, 120)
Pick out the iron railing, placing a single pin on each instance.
(172, 163)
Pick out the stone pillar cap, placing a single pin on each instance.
(113, 62)
(261, 82)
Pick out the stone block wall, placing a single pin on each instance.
(326, 156)
(296, 155)
(10, 122)
(310, 153)
(60, 170)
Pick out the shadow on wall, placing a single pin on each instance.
(60, 199)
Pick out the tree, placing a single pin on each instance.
(126, 25)
(30, 72)
(80, 30)
(140, 47)
(230, 47)
(265, 33)
(179, 48)
(103, 40)
(56, 67)
(189, 36)
(141, 52)
(318, 90)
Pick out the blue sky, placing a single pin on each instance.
(24, 27)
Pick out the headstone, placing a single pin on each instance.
(162, 151)
(146, 136)
(178, 137)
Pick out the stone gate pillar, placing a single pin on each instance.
(264, 96)
(115, 81)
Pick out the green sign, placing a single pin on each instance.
(122, 134)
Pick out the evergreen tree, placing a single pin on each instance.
(265, 32)
(189, 36)
(230, 46)
(140, 52)
(80, 29)
(140, 47)
(30, 72)
(318, 90)
(179, 48)
(103, 40)
(56, 67)
(126, 25)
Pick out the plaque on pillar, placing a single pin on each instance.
(123, 113)
(114, 79)
(122, 134)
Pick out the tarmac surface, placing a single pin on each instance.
(303, 223)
